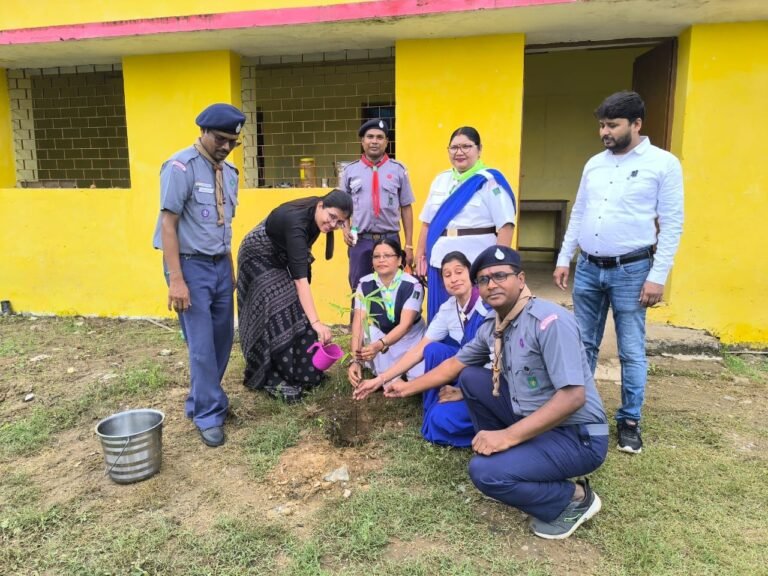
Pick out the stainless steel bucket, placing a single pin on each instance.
(132, 443)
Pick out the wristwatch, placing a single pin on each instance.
(384, 344)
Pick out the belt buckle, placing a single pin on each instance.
(452, 232)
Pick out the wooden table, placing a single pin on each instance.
(559, 209)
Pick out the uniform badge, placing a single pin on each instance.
(237, 128)
(499, 254)
(496, 191)
(205, 213)
(533, 383)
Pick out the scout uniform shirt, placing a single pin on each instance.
(489, 206)
(187, 188)
(542, 353)
(394, 192)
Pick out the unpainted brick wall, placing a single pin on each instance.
(310, 110)
(76, 125)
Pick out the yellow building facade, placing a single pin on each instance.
(88, 250)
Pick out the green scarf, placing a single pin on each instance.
(460, 177)
(389, 293)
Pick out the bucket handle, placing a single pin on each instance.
(118, 457)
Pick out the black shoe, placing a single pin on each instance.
(213, 437)
(629, 437)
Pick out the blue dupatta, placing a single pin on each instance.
(448, 210)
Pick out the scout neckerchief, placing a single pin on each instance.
(375, 181)
(389, 293)
(462, 176)
(217, 169)
(465, 312)
(498, 333)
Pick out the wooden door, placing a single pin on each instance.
(653, 77)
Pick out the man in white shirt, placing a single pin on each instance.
(627, 221)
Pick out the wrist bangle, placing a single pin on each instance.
(408, 247)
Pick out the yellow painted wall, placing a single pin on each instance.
(559, 131)
(7, 161)
(720, 281)
(446, 83)
(41, 13)
(89, 251)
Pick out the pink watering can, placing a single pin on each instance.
(325, 356)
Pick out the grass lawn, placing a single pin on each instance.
(693, 503)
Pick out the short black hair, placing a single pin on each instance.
(624, 104)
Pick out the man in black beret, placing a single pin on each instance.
(538, 417)
(198, 196)
(382, 197)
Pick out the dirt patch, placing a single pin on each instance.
(60, 360)
(349, 422)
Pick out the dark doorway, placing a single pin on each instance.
(653, 77)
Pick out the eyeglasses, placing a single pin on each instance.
(221, 140)
(384, 256)
(497, 277)
(336, 221)
(463, 147)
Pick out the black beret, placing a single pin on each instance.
(376, 123)
(222, 117)
(494, 256)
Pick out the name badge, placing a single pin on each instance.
(204, 187)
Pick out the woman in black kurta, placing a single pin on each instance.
(277, 317)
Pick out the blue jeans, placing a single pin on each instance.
(594, 290)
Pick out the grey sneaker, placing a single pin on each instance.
(574, 515)
(629, 437)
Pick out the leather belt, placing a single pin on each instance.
(613, 261)
(206, 257)
(376, 236)
(453, 232)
